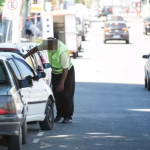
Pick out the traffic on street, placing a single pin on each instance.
(75, 79)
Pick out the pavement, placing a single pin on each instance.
(112, 107)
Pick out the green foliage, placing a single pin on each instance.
(1, 2)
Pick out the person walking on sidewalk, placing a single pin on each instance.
(63, 77)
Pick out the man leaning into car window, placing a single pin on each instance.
(63, 76)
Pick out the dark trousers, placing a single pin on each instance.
(64, 100)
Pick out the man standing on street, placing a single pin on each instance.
(63, 77)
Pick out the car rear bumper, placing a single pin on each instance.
(9, 128)
(147, 29)
(122, 37)
(11, 125)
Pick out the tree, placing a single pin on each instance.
(1, 2)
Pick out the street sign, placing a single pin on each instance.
(12, 9)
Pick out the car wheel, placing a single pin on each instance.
(15, 142)
(104, 41)
(127, 42)
(24, 132)
(83, 38)
(80, 48)
(48, 122)
(145, 82)
(145, 32)
(75, 55)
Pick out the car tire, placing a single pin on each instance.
(148, 84)
(15, 142)
(127, 41)
(80, 48)
(145, 32)
(24, 132)
(104, 41)
(83, 38)
(145, 82)
(75, 55)
(48, 122)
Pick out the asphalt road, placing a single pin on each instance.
(112, 107)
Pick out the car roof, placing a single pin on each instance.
(118, 15)
(116, 22)
(7, 45)
(6, 55)
(11, 45)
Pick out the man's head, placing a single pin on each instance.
(52, 44)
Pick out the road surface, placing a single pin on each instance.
(112, 107)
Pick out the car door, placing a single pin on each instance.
(24, 93)
(38, 95)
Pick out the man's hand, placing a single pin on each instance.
(60, 87)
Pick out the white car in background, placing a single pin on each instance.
(37, 61)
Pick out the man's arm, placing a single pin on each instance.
(60, 86)
(33, 51)
(65, 65)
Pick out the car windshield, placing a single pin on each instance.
(116, 25)
(115, 18)
(3, 74)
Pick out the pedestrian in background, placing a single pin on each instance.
(127, 10)
(63, 77)
(27, 29)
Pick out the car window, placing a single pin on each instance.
(148, 19)
(31, 62)
(14, 67)
(24, 68)
(4, 79)
(38, 60)
(116, 25)
(13, 75)
(115, 18)
(34, 63)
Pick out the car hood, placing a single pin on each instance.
(4, 89)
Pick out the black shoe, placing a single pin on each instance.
(67, 121)
(58, 118)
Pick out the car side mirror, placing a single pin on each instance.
(129, 27)
(145, 56)
(41, 75)
(25, 83)
(40, 68)
(46, 65)
(102, 27)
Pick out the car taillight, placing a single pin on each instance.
(106, 30)
(125, 29)
(7, 105)
(43, 59)
(110, 10)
